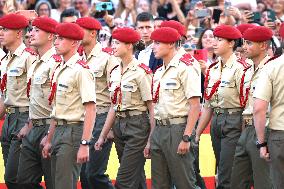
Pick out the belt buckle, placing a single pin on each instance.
(118, 114)
(8, 110)
(35, 121)
(217, 110)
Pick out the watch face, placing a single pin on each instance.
(186, 138)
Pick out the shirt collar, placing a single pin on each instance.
(231, 60)
(132, 65)
(95, 51)
(48, 54)
(19, 51)
(263, 61)
(73, 60)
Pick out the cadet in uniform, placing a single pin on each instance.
(74, 110)
(222, 86)
(270, 89)
(130, 102)
(249, 169)
(14, 69)
(31, 164)
(176, 94)
(102, 64)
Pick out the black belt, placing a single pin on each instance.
(41, 122)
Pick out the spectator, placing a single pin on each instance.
(126, 10)
(83, 7)
(69, 15)
(278, 8)
(143, 6)
(43, 8)
(172, 10)
(205, 41)
(31, 4)
(62, 5)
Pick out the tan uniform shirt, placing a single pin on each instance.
(178, 82)
(270, 88)
(102, 64)
(16, 66)
(227, 94)
(75, 86)
(251, 79)
(135, 88)
(40, 74)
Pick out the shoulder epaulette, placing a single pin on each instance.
(31, 51)
(113, 69)
(108, 50)
(270, 59)
(187, 59)
(82, 63)
(146, 68)
(57, 58)
(243, 62)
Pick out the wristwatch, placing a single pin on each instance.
(85, 142)
(259, 145)
(186, 138)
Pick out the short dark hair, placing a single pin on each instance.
(144, 17)
(160, 18)
(69, 12)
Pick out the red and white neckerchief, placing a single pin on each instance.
(53, 86)
(115, 99)
(215, 86)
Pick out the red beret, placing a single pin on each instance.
(14, 21)
(281, 30)
(175, 25)
(126, 35)
(227, 32)
(45, 23)
(89, 23)
(258, 34)
(243, 27)
(165, 35)
(70, 31)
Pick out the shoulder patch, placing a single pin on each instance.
(243, 62)
(57, 58)
(270, 59)
(83, 64)
(146, 68)
(187, 59)
(108, 50)
(31, 51)
(113, 69)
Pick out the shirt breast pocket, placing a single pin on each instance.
(128, 92)
(16, 78)
(63, 92)
(170, 85)
(98, 73)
